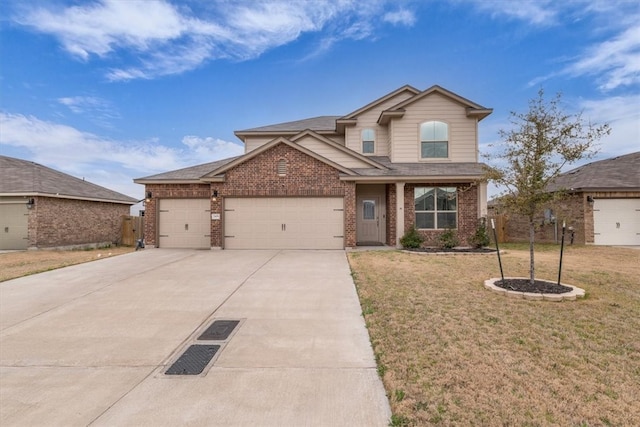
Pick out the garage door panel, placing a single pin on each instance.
(284, 223)
(616, 221)
(185, 223)
(14, 226)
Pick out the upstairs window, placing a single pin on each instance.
(434, 140)
(368, 141)
(436, 207)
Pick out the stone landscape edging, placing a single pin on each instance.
(567, 296)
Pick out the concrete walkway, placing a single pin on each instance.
(89, 344)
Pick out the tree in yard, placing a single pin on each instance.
(541, 142)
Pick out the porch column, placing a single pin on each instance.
(482, 200)
(399, 212)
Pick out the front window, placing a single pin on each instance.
(434, 140)
(436, 207)
(368, 141)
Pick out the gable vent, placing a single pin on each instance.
(282, 167)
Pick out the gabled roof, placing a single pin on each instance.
(253, 153)
(190, 175)
(25, 178)
(617, 173)
(405, 88)
(398, 110)
(335, 145)
(318, 124)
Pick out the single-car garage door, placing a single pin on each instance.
(284, 223)
(616, 221)
(185, 223)
(13, 220)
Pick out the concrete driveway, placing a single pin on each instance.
(90, 344)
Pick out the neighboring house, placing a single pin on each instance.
(43, 208)
(602, 206)
(330, 182)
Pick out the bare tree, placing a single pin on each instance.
(541, 142)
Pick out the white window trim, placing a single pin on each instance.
(362, 141)
(434, 159)
(435, 211)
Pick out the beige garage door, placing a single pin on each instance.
(616, 221)
(13, 226)
(185, 223)
(284, 223)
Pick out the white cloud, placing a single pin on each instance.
(538, 12)
(112, 164)
(615, 62)
(400, 17)
(169, 40)
(623, 115)
(100, 111)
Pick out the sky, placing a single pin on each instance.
(112, 90)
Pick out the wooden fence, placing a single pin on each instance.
(132, 229)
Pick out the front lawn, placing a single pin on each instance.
(453, 353)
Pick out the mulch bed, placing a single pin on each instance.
(452, 250)
(538, 286)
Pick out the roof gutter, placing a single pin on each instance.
(412, 179)
(64, 196)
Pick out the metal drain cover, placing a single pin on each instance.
(219, 330)
(193, 360)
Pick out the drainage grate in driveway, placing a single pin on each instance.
(193, 360)
(219, 330)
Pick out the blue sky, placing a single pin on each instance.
(112, 90)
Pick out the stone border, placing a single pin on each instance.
(567, 296)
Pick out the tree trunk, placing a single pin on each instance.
(532, 233)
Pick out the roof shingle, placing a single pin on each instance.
(622, 172)
(24, 177)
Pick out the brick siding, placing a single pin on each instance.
(467, 212)
(258, 177)
(57, 222)
(392, 223)
(574, 210)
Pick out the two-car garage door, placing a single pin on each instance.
(284, 223)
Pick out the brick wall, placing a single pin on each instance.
(167, 191)
(392, 223)
(467, 212)
(63, 222)
(574, 210)
(571, 210)
(258, 177)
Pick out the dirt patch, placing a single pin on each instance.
(24, 263)
(450, 352)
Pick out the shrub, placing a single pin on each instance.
(411, 239)
(480, 239)
(449, 239)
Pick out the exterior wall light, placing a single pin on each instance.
(214, 196)
(30, 203)
(590, 200)
(148, 196)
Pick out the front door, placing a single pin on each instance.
(368, 230)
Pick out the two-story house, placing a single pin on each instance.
(330, 182)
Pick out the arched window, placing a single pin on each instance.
(368, 141)
(434, 140)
